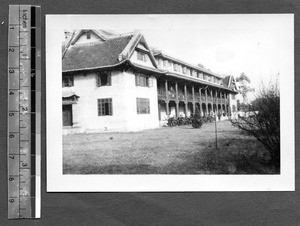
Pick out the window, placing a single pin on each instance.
(233, 96)
(104, 107)
(142, 56)
(184, 70)
(165, 62)
(188, 71)
(194, 73)
(88, 35)
(142, 80)
(159, 61)
(175, 67)
(67, 81)
(103, 79)
(143, 105)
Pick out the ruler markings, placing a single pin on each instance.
(23, 193)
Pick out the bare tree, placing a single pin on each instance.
(263, 120)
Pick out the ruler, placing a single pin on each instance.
(24, 111)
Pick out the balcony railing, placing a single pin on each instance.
(182, 97)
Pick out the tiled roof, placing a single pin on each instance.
(68, 92)
(94, 55)
(160, 53)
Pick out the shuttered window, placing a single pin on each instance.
(143, 105)
(142, 80)
(103, 79)
(105, 107)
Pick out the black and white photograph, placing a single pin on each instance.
(170, 102)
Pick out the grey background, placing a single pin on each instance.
(206, 208)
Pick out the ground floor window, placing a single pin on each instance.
(143, 105)
(105, 107)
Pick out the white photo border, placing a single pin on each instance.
(58, 182)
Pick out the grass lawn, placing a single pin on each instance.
(167, 150)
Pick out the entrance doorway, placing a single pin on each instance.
(67, 115)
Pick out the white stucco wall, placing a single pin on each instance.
(123, 93)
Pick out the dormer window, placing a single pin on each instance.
(142, 56)
(88, 35)
(165, 62)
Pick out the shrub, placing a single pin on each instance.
(263, 120)
(196, 119)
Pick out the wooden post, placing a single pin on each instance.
(193, 94)
(166, 89)
(206, 102)
(167, 108)
(177, 101)
(167, 98)
(186, 100)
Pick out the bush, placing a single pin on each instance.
(263, 120)
(196, 119)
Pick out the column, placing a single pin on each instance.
(167, 98)
(206, 102)
(217, 102)
(193, 93)
(167, 108)
(186, 101)
(200, 102)
(177, 102)
(166, 89)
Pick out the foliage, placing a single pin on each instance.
(208, 118)
(263, 120)
(180, 121)
(244, 88)
(196, 119)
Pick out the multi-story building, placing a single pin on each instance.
(118, 83)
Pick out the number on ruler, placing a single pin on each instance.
(11, 135)
(24, 164)
(11, 50)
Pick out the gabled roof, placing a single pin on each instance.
(115, 50)
(101, 34)
(95, 55)
(226, 81)
(112, 51)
